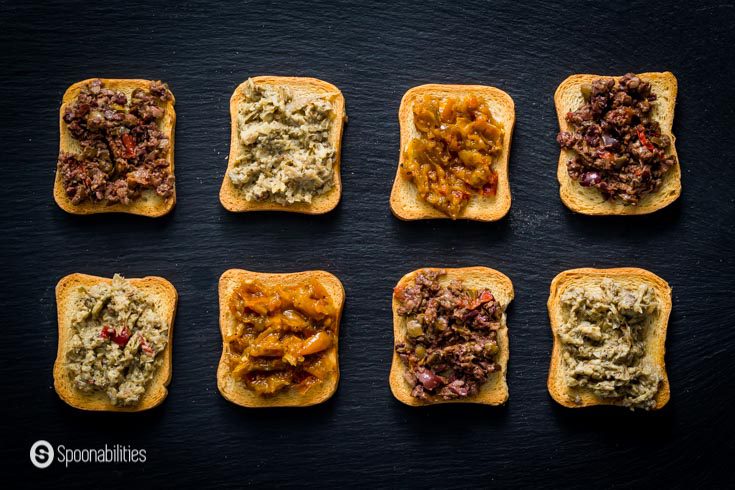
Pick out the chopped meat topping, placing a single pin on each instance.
(451, 336)
(618, 147)
(122, 148)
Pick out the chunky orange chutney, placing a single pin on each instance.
(283, 336)
(451, 159)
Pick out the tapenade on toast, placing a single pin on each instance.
(609, 328)
(114, 348)
(618, 155)
(450, 336)
(116, 149)
(285, 146)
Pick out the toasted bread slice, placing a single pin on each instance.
(234, 390)
(495, 390)
(149, 203)
(655, 335)
(588, 200)
(406, 204)
(231, 197)
(67, 291)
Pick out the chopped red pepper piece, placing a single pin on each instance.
(486, 297)
(107, 331)
(122, 338)
(129, 144)
(642, 138)
(145, 347)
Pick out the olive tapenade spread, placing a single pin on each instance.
(118, 336)
(604, 342)
(286, 153)
(451, 341)
(123, 150)
(619, 148)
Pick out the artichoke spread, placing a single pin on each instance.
(285, 152)
(604, 342)
(117, 338)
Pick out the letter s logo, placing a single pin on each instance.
(42, 454)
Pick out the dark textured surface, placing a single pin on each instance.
(374, 53)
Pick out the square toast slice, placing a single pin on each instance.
(588, 200)
(231, 197)
(149, 203)
(67, 291)
(655, 335)
(406, 204)
(234, 390)
(495, 390)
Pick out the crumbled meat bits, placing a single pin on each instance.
(122, 149)
(451, 341)
(618, 146)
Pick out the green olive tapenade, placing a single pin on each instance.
(603, 342)
(118, 336)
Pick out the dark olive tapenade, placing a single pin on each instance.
(451, 345)
(618, 146)
(122, 148)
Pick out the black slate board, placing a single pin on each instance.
(374, 53)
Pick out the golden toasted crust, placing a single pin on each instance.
(406, 204)
(655, 337)
(233, 389)
(149, 203)
(165, 298)
(231, 197)
(495, 390)
(588, 200)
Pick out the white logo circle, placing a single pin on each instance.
(42, 454)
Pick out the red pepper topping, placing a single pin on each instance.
(606, 155)
(642, 138)
(122, 338)
(484, 297)
(129, 144)
(107, 331)
(145, 347)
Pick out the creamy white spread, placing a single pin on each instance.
(116, 343)
(285, 153)
(603, 339)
